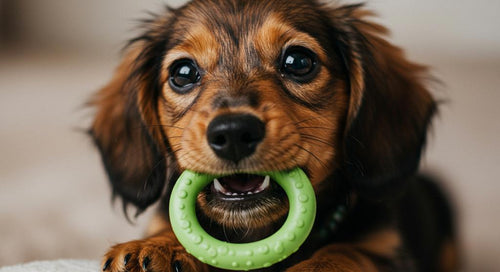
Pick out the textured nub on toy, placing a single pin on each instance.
(248, 256)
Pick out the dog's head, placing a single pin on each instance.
(233, 87)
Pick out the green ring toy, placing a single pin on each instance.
(248, 256)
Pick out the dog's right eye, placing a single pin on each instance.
(184, 74)
(299, 64)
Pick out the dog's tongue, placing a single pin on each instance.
(242, 183)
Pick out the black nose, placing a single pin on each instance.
(235, 136)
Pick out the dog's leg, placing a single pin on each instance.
(374, 253)
(337, 258)
(160, 252)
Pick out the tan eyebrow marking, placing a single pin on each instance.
(276, 34)
(199, 44)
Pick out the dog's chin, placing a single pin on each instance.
(244, 201)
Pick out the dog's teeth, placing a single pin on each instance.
(218, 187)
(221, 189)
(265, 184)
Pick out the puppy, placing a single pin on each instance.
(234, 87)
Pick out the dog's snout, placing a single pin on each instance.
(235, 136)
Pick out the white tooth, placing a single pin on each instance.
(265, 184)
(235, 194)
(249, 193)
(218, 187)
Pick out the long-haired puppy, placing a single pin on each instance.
(240, 86)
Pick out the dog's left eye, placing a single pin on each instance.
(184, 74)
(299, 63)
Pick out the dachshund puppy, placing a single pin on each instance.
(234, 87)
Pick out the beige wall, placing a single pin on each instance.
(456, 28)
(77, 24)
(451, 27)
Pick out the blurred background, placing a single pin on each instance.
(54, 199)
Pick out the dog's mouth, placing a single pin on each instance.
(242, 201)
(241, 186)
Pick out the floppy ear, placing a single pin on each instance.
(126, 130)
(389, 110)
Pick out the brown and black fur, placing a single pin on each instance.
(357, 128)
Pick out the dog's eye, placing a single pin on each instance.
(299, 63)
(183, 75)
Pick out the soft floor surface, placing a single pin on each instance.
(55, 266)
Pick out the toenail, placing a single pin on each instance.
(145, 263)
(126, 259)
(177, 266)
(106, 265)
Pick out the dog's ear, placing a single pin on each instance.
(389, 110)
(126, 127)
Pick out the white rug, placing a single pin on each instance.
(55, 266)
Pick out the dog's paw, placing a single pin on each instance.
(155, 254)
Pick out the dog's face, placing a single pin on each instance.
(245, 93)
(251, 94)
(237, 87)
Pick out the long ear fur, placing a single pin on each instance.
(126, 126)
(390, 108)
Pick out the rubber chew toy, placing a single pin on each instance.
(248, 256)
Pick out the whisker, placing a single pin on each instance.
(317, 139)
(224, 231)
(309, 119)
(326, 128)
(314, 156)
(248, 231)
(152, 170)
(295, 161)
(174, 151)
(300, 121)
(163, 125)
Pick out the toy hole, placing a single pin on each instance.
(240, 235)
